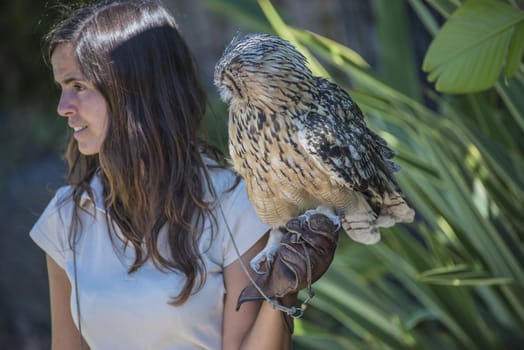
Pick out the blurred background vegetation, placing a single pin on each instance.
(452, 280)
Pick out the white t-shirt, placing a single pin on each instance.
(131, 311)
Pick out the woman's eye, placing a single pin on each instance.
(79, 87)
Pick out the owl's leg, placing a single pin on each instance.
(267, 254)
(360, 222)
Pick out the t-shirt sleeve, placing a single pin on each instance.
(50, 231)
(243, 223)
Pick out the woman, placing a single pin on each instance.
(138, 245)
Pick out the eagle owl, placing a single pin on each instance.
(300, 142)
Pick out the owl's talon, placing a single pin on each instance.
(266, 256)
(324, 210)
(262, 262)
(257, 266)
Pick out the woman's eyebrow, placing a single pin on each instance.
(68, 80)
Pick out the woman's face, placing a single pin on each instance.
(84, 107)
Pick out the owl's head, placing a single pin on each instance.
(256, 64)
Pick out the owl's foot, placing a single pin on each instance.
(324, 210)
(362, 227)
(395, 209)
(261, 263)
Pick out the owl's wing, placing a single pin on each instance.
(336, 137)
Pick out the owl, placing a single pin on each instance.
(301, 144)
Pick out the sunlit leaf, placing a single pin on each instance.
(461, 275)
(469, 52)
(286, 32)
(338, 52)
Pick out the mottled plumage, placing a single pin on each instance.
(300, 141)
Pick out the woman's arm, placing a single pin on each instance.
(256, 325)
(64, 334)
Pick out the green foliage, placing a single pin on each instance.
(455, 278)
(25, 77)
(394, 39)
(473, 46)
(27, 100)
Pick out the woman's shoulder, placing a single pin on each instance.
(50, 231)
(61, 199)
(57, 210)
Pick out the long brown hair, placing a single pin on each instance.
(150, 160)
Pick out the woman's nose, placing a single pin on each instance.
(66, 106)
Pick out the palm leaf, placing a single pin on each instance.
(461, 275)
(470, 50)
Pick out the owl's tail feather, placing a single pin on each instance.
(359, 222)
(394, 209)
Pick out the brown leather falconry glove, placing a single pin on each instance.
(304, 255)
